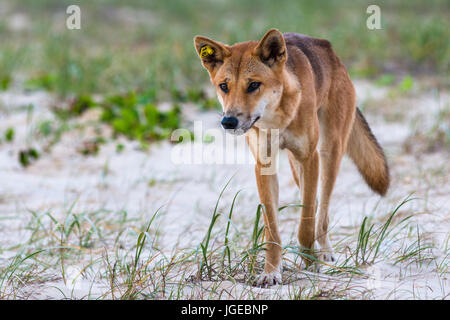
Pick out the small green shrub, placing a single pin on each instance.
(137, 117)
(27, 156)
(9, 134)
(77, 106)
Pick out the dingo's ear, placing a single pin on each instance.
(272, 48)
(211, 52)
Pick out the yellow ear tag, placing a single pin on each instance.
(206, 51)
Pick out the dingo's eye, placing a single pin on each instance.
(253, 86)
(224, 87)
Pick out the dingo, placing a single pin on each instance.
(297, 85)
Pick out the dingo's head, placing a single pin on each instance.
(247, 77)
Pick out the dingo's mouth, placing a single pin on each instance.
(254, 121)
(244, 128)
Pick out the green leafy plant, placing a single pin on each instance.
(137, 117)
(9, 134)
(27, 156)
(76, 107)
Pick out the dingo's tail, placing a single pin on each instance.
(364, 150)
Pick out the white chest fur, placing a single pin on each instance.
(298, 144)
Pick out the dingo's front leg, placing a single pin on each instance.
(264, 146)
(268, 193)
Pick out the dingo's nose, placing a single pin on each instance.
(229, 122)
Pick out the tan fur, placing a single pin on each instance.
(305, 93)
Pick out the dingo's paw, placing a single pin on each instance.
(326, 256)
(325, 253)
(266, 280)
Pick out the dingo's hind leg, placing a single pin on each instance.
(295, 168)
(333, 136)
